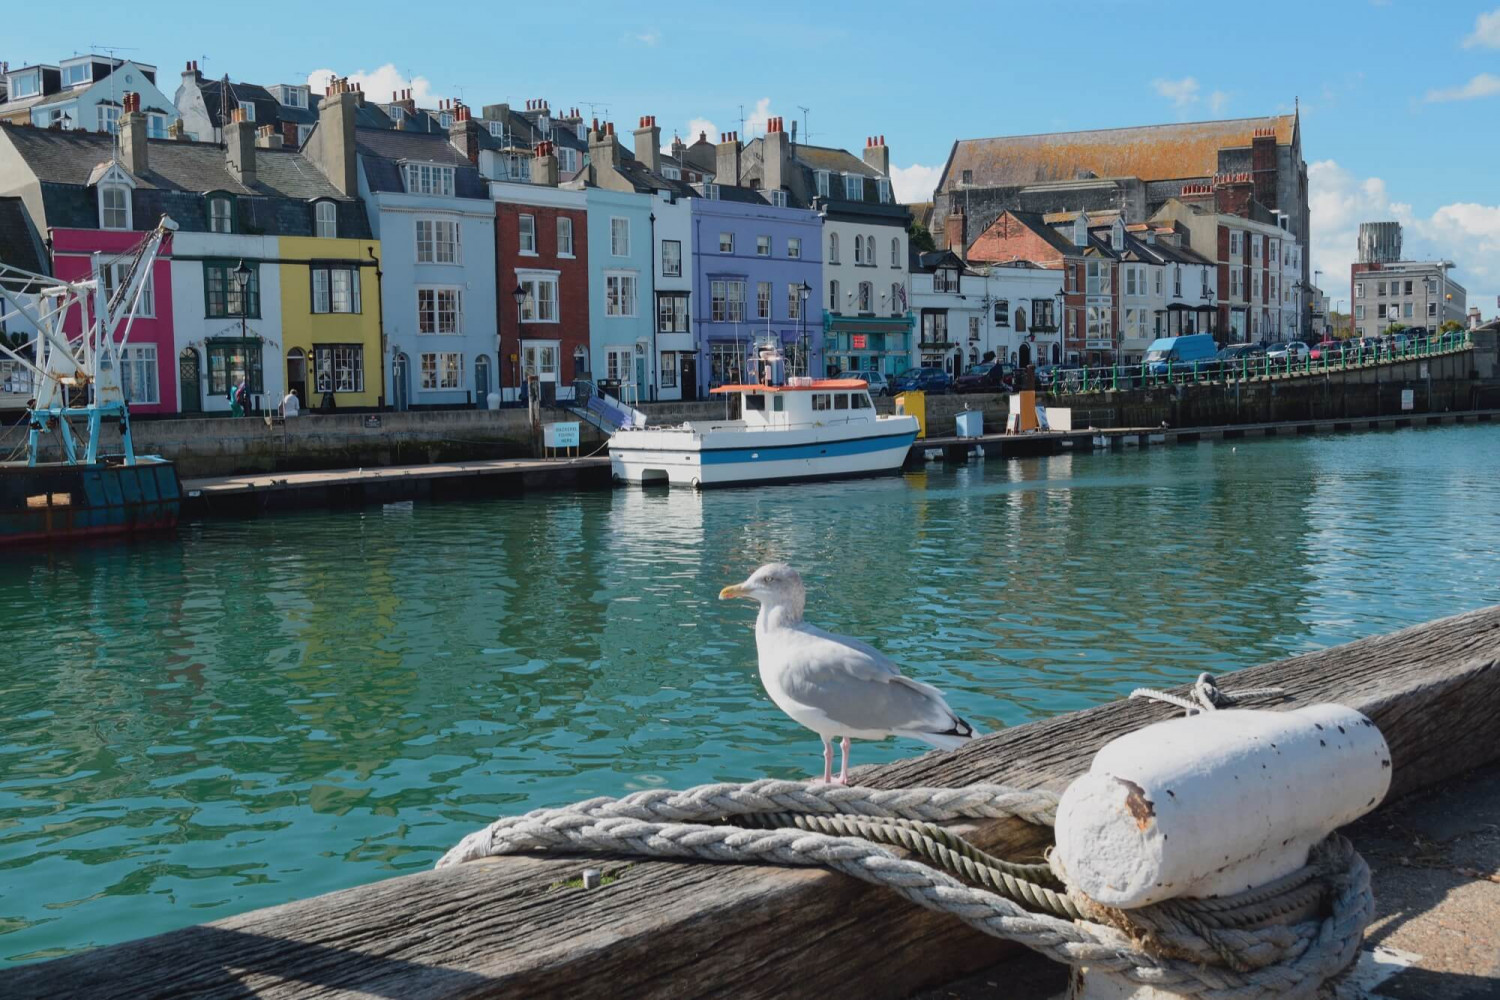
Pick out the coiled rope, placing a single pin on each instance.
(1283, 939)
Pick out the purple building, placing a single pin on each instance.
(757, 273)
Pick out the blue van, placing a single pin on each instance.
(1178, 353)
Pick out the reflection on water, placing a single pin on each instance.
(264, 710)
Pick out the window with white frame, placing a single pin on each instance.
(945, 279)
(528, 234)
(895, 252)
(439, 310)
(79, 72)
(710, 191)
(497, 129)
(567, 159)
(429, 178)
(762, 300)
(1234, 282)
(1255, 240)
(668, 370)
(339, 367)
(1002, 312)
(249, 108)
(443, 370)
(619, 294)
(619, 237)
(777, 198)
(1176, 281)
(854, 187)
(1158, 279)
(726, 301)
(109, 118)
(672, 312)
(114, 206)
(726, 243)
(303, 131)
(1274, 251)
(898, 298)
(1130, 280)
(833, 297)
(671, 258)
(794, 248)
(25, 85)
(564, 236)
(859, 250)
(335, 288)
(794, 300)
(1098, 277)
(220, 214)
(138, 380)
(1235, 242)
(156, 126)
(326, 220)
(833, 248)
(762, 246)
(822, 178)
(1254, 284)
(539, 304)
(866, 296)
(670, 172)
(883, 187)
(115, 275)
(438, 241)
(445, 120)
(618, 364)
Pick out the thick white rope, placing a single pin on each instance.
(1286, 961)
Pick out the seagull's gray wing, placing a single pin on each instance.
(856, 686)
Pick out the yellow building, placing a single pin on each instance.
(330, 320)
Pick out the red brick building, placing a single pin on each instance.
(541, 249)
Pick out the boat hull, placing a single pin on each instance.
(56, 502)
(644, 457)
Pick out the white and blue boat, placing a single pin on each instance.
(802, 429)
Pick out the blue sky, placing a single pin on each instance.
(1400, 98)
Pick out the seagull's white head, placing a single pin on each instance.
(776, 586)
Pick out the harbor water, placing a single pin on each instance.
(262, 710)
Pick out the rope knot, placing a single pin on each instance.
(1207, 696)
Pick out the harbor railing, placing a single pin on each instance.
(1342, 356)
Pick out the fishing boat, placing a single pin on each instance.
(785, 429)
(89, 490)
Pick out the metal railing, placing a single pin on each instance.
(1345, 356)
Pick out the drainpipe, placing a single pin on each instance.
(380, 319)
(655, 354)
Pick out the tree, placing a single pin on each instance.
(1450, 326)
(1395, 328)
(920, 238)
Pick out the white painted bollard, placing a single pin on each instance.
(1211, 805)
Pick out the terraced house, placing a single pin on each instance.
(268, 273)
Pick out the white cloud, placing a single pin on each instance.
(914, 183)
(755, 122)
(379, 84)
(1468, 233)
(1486, 31)
(648, 37)
(1182, 93)
(1483, 85)
(703, 125)
(1218, 101)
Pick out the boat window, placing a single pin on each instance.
(778, 403)
(841, 401)
(861, 400)
(755, 401)
(820, 401)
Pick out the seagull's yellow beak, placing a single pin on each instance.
(734, 590)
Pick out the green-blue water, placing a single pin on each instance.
(257, 711)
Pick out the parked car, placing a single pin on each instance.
(1290, 352)
(1179, 353)
(1066, 376)
(987, 376)
(878, 383)
(924, 379)
(1328, 350)
(1399, 341)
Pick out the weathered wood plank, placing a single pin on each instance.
(506, 928)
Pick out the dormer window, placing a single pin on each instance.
(292, 97)
(220, 213)
(822, 182)
(854, 187)
(156, 125)
(114, 206)
(109, 118)
(581, 131)
(397, 113)
(883, 186)
(25, 84)
(497, 129)
(567, 159)
(428, 178)
(326, 220)
(1117, 235)
(710, 191)
(671, 173)
(778, 198)
(445, 119)
(249, 109)
(77, 74)
(544, 126)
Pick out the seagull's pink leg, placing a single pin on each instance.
(827, 760)
(844, 771)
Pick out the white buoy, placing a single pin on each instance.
(1211, 805)
(1216, 803)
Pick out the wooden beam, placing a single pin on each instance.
(510, 927)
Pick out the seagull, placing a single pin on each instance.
(834, 685)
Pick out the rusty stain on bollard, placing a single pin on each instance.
(591, 878)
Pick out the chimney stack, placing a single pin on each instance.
(133, 135)
(544, 166)
(955, 231)
(648, 144)
(463, 132)
(175, 131)
(331, 145)
(727, 156)
(190, 72)
(776, 163)
(877, 155)
(239, 148)
(267, 137)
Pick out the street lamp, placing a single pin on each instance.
(519, 294)
(241, 275)
(804, 291)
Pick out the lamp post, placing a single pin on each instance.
(803, 292)
(519, 294)
(241, 275)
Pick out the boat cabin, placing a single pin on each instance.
(802, 402)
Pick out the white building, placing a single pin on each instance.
(1023, 306)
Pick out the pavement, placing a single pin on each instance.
(1435, 867)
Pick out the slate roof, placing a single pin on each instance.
(828, 158)
(20, 246)
(1149, 152)
(267, 108)
(178, 174)
(381, 152)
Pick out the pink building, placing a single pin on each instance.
(149, 367)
